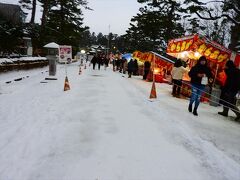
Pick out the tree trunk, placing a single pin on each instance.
(34, 3)
(45, 13)
(62, 15)
(46, 4)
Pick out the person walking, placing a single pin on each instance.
(177, 75)
(121, 63)
(99, 61)
(230, 90)
(199, 74)
(94, 61)
(106, 62)
(125, 64)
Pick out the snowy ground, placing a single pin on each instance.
(105, 128)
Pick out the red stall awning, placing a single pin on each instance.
(194, 46)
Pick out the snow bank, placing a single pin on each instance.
(22, 59)
(32, 58)
(5, 60)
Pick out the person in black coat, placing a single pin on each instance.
(106, 62)
(147, 66)
(121, 63)
(230, 89)
(135, 70)
(198, 72)
(94, 61)
(130, 68)
(99, 61)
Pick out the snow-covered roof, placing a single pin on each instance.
(52, 45)
(98, 47)
(162, 57)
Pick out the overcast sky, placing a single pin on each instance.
(116, 13)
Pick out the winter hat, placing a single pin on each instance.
(178, 63)
(202, 58)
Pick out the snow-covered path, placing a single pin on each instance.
(105, 128)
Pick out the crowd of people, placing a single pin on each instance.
(123, 66)
(200, 75)
(100, 60)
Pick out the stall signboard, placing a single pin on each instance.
(138, 55)
(160, 64)
(160, 61)
(192, 47)
(65, 54)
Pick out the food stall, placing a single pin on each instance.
(190, 48)
(160, 65)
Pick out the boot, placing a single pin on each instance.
(190, 108)
(225, 112)
(195, 112)
(177, 96)
(237, 112)
(238, 116)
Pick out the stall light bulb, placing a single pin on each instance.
(155, 71)
(197, 54)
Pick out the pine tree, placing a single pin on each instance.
(11, 34)
(229, 13)
(101, 39)
(62, 21)
(93, 39)
(155, 24)
(29, 5)
(85, 39)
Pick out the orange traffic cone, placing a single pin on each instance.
(66, 84)
(153, 91)
(80, 70)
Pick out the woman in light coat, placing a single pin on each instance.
(177, 75)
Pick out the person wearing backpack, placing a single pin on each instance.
(230, 90)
